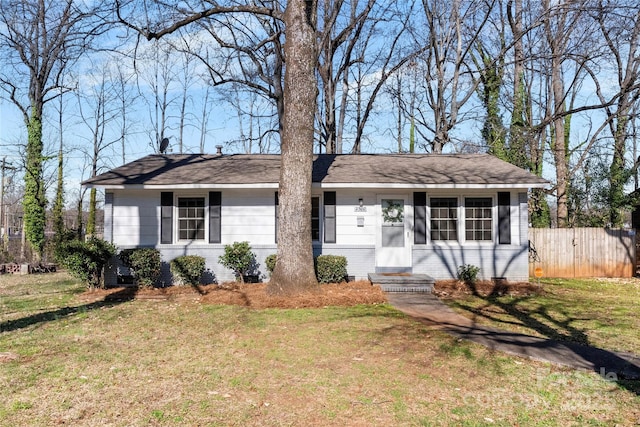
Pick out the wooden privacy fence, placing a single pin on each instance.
(582, 252)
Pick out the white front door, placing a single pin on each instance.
(393, 248)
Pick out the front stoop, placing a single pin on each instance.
(403, 282)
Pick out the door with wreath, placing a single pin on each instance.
(393, 248)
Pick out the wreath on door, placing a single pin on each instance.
(393, 212)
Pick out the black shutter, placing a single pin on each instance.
(215, 202)
(166, 217)
(277, 202)
(504, 218)
(329, 216)
(420, 218)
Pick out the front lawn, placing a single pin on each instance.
(70, 361)
(599, 312)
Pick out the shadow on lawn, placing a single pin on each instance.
(550, 327)
(50, 316)
(561, 336)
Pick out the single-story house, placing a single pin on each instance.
(418, 213)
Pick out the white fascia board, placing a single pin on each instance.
(182, 186)
(429, 186)
(318, 185)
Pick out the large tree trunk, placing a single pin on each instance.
(294, 270)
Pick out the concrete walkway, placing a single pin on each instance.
(430, 310)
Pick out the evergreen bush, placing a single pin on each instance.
(239, 258)
(85, 260)
(144, 264)
(187, 269)
(331, 268)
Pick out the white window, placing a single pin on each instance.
(191, 218)
(478, 218)
(444, 218)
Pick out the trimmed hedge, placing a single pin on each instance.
(331, 268)
(144, 264)
(187, 269)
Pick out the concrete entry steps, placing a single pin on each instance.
(402, 282)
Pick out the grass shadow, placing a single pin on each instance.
(53, 315)
(551, 327)
(560, 336)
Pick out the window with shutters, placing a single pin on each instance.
(191, 218)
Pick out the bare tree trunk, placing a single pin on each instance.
(183, 112)
(204, 119)
(554, 24)
(559, 143)
(294, 270)
(343, 111)
(328, 137)
(399, 118)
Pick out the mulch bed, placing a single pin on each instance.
(452, 289)
(255, 295)
(252, 295)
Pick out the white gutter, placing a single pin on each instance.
(316, 185)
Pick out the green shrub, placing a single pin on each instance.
(239, 258)
(270, 262)
(187, 269)
(331, 268)
(144, 264)
(85, 260)
(468, 273)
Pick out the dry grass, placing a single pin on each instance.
(177, 361)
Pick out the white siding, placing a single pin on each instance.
(442, 262)
(250, 215)
(136, 218)
(347, 230)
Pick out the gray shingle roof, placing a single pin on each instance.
(428, 170)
